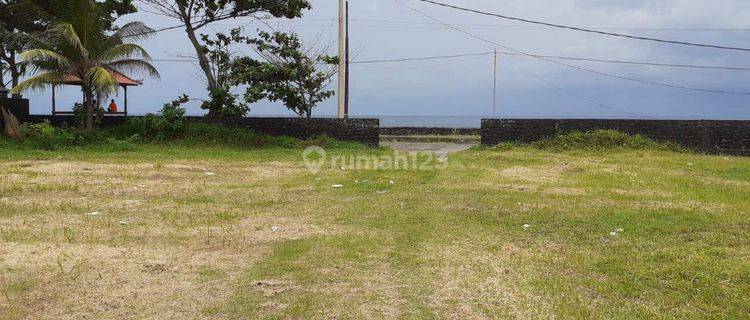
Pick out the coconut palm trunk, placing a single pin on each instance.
(12, 126)
(89, 103)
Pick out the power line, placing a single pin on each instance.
(529, 27)
(644, 63)
(568, 92)
(422, 58)
(586, 30)
(663, 84)
(383, 23)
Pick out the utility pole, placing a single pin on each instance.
(346, 95)
(494, 84)
(342, 63)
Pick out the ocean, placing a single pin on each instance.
(418, 121)
(431, 121)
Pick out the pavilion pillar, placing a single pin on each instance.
(126, 99)
(54, 101)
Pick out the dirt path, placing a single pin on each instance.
(437, 147)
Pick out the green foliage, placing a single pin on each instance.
(601, 140)
(223, 103)
(292, 72)
(201, 133)
(79, 114)
(168, 124)
(47, 137)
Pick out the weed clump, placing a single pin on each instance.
(598, 140)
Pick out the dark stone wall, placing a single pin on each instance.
(366, 131)
(18, 107)
(414, 131)
(706, 135)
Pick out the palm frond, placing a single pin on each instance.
(46, 59)
(124, 51)
(101, 80)
(66, 33)
(38, 82)
(133, 31)
(129, 66)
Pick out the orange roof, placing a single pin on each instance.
(122, 80)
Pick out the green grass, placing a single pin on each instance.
(437, 244)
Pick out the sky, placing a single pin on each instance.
(526, 87)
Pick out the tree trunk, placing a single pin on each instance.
(202, 59)
(89, 103)
(12, 126)
(2, 79)
(15, 74)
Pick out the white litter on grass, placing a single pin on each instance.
(122, 223)
(275, 228)
(337, 186)
(95, 213)
(210, 174)
(392, 182)
(526, 226)
(616, 232)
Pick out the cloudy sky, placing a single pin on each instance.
(527, 87)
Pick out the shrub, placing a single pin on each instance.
(233, 136)
(223, 103)
(601, 140)
(44, 136)
(168, 124)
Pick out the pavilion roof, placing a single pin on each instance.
(122, 80)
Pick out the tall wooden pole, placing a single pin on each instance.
(346, 94)
(494, 84)
(342, 62)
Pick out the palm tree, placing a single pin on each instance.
(78, 45)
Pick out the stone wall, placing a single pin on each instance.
(18, 107)
(366, 131)
(706, 135)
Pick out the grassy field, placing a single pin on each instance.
(514, 232)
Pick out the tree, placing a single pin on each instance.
(294, 73)
(77, 44)
(221, 101)
(19, 18)
(11, 24)
(197, 14)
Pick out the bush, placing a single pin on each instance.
(233, 136)
(602, 140)
(223, 103)
(46, 137)
(168, 124)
